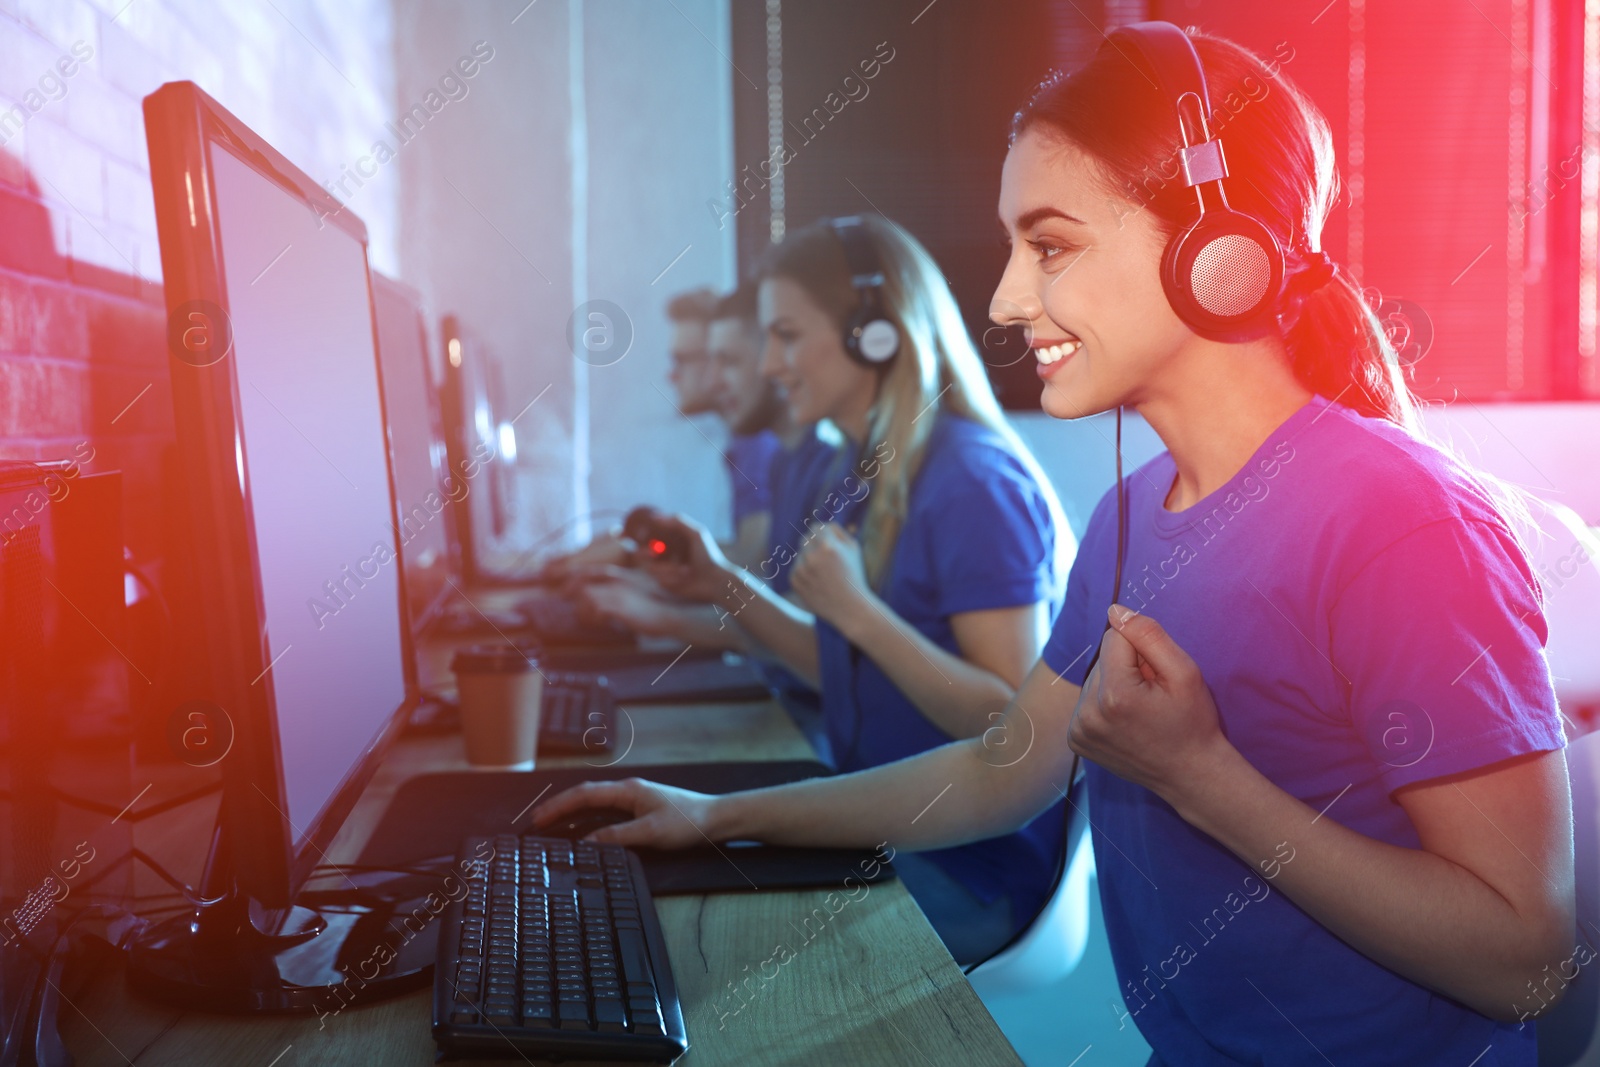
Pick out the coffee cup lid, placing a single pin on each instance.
(502, 658)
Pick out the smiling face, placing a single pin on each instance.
(1083, 280)
(805, 355)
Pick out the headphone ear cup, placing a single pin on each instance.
(869, 336)
(1224, 275)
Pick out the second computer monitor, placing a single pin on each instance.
(424, 491)
(481, 445)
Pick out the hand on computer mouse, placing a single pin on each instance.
(702, 574)
(578, 825)
(663, 817)
(653, 537)
(607, 548)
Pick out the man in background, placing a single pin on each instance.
(697, 379)
(689, 372)
(783, 468)
(757, 418)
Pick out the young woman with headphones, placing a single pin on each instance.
(1330, 807)
(931, 561)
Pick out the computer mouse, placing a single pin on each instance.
(657, 539)
(585, 821)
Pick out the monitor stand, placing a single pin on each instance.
(366, 943)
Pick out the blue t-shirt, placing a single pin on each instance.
(798, 477)
(749, 458)
(977, 536)
(1364, 620)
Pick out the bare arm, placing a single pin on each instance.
(1476, 913)
(964, 791)
(782, 627)
(959, 694)
(749, 544)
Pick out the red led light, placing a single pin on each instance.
(658, 547)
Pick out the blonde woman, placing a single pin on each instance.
(930, 565)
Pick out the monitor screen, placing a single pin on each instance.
(475, 435)
(416, 450)
(313, 457)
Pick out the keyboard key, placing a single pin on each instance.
(573, 1015)
(609, 1016)
(635, 956)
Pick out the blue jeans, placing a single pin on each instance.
(970, 929)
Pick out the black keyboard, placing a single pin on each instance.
(577, 714)
(555, 951)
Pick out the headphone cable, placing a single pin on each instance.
(1116, 586)
(1063, 859)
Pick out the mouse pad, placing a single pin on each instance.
(431, 813)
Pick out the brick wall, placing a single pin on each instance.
(83, 370)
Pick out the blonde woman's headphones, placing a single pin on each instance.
(870, 337)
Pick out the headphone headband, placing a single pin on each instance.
(1223, 275)
(1170, 56)
(860, 254)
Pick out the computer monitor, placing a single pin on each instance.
(423, 488)
(279, 412)
(480, 442)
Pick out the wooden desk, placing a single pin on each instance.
(862, 982)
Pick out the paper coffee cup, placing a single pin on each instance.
(498, 689)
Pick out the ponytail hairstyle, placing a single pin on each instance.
(1281, 170)
(936, 369)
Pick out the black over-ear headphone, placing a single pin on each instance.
(869, 335)
(1224, 274)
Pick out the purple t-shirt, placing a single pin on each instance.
(1364, 620)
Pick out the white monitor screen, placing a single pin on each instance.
(314, 462)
